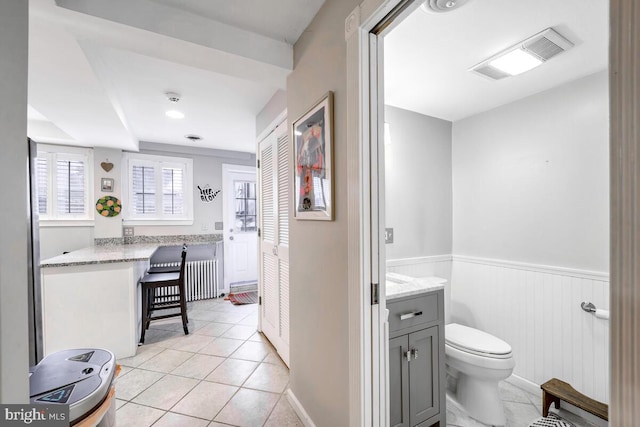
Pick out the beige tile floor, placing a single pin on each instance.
(223, 373)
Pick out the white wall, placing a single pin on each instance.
(418, 184)
(55, 241)
(106, 227)
(537, 311)
(207, 165)
(14, 336)
(319, 358)
(530, 179)
(531, 231)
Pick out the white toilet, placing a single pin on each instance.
(477, 361)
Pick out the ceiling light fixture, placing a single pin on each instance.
(523, 56)
(175, 114)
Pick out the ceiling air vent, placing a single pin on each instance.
(533, 51)
(547, 44)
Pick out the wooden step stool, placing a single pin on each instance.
(554, 390)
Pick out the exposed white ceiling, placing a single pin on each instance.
(98, 70)
(428, 54)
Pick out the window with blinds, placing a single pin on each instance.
(172, 191)
(143, 181)
(159, 188)
(63, 185)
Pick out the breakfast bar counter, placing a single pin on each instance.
(91, 299)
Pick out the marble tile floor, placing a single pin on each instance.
(521, 407)
(223, 373)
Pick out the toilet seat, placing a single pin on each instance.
(474, 341)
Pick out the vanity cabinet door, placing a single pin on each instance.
(398, 382)
(424, 378)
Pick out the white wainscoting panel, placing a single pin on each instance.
(537, 311)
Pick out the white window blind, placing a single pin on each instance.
(144, 189)
(70, 188)
(159, 188)
(172, 191)
(63, 183)
(42, 184)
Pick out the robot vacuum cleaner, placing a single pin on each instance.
(80, 378)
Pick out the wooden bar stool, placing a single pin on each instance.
(175, 298)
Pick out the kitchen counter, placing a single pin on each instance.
(103, 255)
(400, 286)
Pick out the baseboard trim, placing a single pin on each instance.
(299, 409)
(549, 269)
(525, 385)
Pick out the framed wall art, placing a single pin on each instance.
(313, 162)
(106, 184)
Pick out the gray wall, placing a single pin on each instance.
(530, 179)
(14, 233)
(418, 184)
(319, 334)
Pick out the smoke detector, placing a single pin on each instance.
(173, 97)
(193, 138)
(439, 6)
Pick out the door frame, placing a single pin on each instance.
(226, 170)
(368, 363)
(624, 285)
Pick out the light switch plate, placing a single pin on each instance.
(127, 231)
(219, 226)
(388, 235)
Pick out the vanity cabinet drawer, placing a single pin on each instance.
(413, 312)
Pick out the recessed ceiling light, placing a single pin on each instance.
(175, 114)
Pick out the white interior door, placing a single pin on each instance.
(240, 219)
(274, 210)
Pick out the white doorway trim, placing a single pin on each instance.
(368, 335)
(228, 221)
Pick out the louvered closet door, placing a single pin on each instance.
(274, 239)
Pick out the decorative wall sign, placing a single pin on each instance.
(313, 182)
(207, 194)
(107, 166)
(106, 184)
(108, 206)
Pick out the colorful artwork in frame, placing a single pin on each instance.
(313, 162)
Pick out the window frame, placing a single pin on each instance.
(53, 154)
(158, 163)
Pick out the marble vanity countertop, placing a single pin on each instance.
(399, 286)
(103, 255)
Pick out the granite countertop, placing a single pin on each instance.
(399, 286)
(103, 254)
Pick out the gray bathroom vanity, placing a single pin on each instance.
(416, 352)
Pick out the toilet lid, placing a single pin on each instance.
(474, 341)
